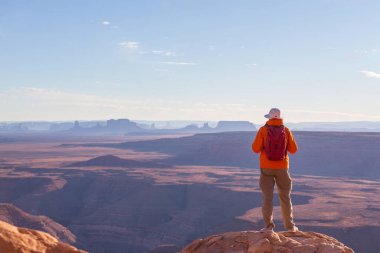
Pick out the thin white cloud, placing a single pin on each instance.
(157, 52)
(178, 63)
(163, 52)
(144, 51)
(370, 73)
(130, 44)
(106, 22)
(169, 53)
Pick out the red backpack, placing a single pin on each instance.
(275, 146)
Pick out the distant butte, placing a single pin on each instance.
(115, 161)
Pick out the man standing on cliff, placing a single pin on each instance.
(273, 141)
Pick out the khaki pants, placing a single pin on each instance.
(280, 177)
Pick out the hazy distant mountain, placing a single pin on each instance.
(228, 126)
(112, 126)
(124, 126)
(165, 127)
(13, 127)
(174, 124)
(56, 127)
(222, 126)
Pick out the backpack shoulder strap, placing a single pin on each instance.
(268, 126)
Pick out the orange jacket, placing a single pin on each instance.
(260, 140)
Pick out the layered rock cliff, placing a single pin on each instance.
(19, 218)
(21, 240)
(267, 242)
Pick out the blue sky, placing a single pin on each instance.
(189, 60)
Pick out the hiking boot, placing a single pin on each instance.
(293, 229)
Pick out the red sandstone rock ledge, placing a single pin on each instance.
(268, 242)
(22, 240)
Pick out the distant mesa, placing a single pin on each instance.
(222, 126)
(14, 127)
(77, 126)
(17, 217)
(260, 242)
(227, 126)
(189, 128)
(206, 127)
(23, 240)
(119, 126)
(115, 161)
(126, 126)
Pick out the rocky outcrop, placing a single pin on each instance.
(17, 217)
(268, 242)
(22, 240)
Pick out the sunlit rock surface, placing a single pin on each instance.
(21, 240)
(268, 242)
(19, 218)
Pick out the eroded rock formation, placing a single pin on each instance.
(22, 240)
(260, 242)
(19, 218)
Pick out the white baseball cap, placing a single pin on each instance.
(274, 113)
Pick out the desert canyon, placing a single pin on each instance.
(158, 193)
